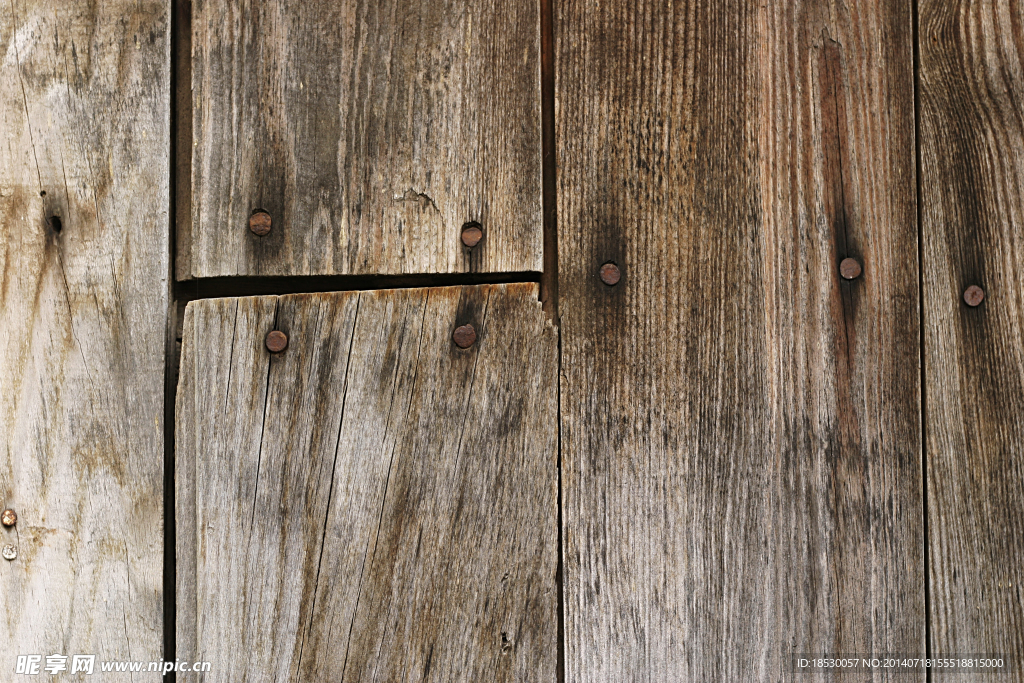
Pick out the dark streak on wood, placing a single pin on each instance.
(740, 426)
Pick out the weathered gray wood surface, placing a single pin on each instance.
(740, 427)
(373, 503)
(972, 154)
(84, 112)
(371, 131)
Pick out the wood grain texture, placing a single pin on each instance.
(741, 428)
(371, 131)
(972, 155)
(83, 321)
(373, 503)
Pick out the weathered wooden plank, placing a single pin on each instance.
(370, 131)
(741, 428)
(972, 163)
(84, 287)
(373, 503)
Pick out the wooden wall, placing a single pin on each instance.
(762, 413)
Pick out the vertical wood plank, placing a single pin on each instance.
(972, 156)
(83, 312)
(370, 131)
(741, 428)
(373, 503)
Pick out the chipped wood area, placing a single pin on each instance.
(740, 426)
(972, 137)
(83, 308)
(373, 503)
(370, 131)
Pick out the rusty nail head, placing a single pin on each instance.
(9, 517)
(259, 223)
(610, 274)
(277, 341)
(472, 233)
(10, 552)
(850, 269)
(974, 295)
(464, 336)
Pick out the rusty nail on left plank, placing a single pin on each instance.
(9, 517)
(260, 222)
(472, 233)
(277, 341)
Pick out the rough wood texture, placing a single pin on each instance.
(741, 428)
(83, 313)
(972, 137)
(373, 503)
(371, 131)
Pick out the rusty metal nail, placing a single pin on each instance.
(259, 223)
(10, 552)
(472, 233)
(850, 269)
(974, 295)
(277, 341)
(464, 336)
(9, 517)
(610, 274)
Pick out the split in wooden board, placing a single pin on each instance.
(373, 502)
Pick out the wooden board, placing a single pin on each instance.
(740, 427)
(370, 131)
(972, 137)
(84, 121)
(373, 503)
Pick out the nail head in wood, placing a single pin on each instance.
(472, 233)
(9, 517)
(10, 552)
(464, 336)
(974, 295)
(259, 223)
(850, 269)
(610, 274)
(277, 341)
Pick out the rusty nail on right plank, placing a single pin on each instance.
(974, 295)
(610, 274)
(464, 336)
(850, 269)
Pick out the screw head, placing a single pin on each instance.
(10, 552)
(610, 274)
(277, 341)
(472, 233)
(9, 517)
(259, 223)
(464, 336)
(974, 295)
(850, 269)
